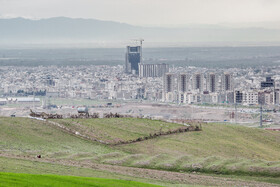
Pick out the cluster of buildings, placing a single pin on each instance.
(267, 94)
(89, 82)
(179, 85)
(137, 80)
(220, 87)
(198, 87)
(202, 87)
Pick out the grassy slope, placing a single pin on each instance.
(31, 137)
(228, 141)
(117, 129)
(16, 179)
(218, 148)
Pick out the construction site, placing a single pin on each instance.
(235, 114)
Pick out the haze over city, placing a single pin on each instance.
(140, 93)
(162, 23)
(145, 12)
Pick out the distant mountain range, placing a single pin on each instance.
(68, 30)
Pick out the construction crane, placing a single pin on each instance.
(140, 40)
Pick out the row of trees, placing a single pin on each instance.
(37, 93)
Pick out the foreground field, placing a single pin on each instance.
(158, 177)
(218, 149)
(15, 179)
(47, 166)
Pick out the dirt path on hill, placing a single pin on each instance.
(74, 132)
(174, 177)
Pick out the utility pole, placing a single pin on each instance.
(274, 94)
(235, 116)
(33, 95)
(261, 125)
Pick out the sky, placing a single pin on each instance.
(148, 12)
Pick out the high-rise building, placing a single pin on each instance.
(153, 70)
(227, 82)
(183, 87)
(169, 81)
(197, 82)
(133, 58)
(183, 81)
(169, 87)
(212, 82)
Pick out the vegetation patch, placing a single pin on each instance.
(122, 130)
(16, 179)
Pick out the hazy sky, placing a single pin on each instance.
(148, 12)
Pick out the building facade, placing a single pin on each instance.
(212, 82)
(169, 87)
(153, 70)
(226, 82)
(132, 59)
(197, 82)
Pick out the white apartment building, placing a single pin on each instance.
(250, 97)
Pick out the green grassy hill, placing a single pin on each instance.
(16, 179)
(32, 137)
(112, 130)
(227, 141)
(218, 148)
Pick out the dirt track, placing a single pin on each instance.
(174, 177)
(151, 136)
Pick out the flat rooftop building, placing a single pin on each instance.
(153, 70)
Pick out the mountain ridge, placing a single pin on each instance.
(80, 30)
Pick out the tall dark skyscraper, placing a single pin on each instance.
(133, 58)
